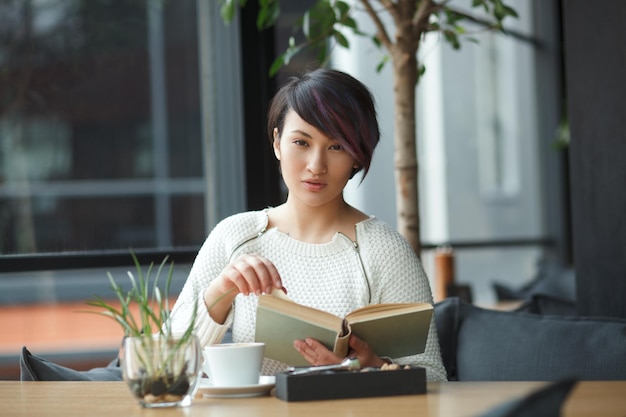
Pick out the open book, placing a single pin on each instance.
(393, 330)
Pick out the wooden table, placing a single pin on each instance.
(455, 399)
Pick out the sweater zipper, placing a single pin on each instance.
(357, 249)
(251, 238)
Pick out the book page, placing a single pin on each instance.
(280, 322)
(395, 332)
(374, 311)
(304, 313)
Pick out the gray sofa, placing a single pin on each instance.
(487, 345)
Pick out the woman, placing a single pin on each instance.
(326, 253)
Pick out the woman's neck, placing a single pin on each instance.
(315, 224)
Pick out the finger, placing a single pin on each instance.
(363, 351)
(307, 352)
(315, 352)
(253, 273)
(358, 345)
(232, 276)
(270, 277)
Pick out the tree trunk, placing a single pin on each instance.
(405, 71)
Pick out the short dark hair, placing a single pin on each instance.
(335, 103)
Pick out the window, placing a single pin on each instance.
(121, 126)
(100, 119)
(497, 127)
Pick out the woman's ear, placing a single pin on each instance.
(276, 143)
(355, 168)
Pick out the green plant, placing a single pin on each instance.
(161, 366)
(152, 302)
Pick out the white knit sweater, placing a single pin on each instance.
(338, 276)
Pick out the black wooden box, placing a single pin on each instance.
(350, 384)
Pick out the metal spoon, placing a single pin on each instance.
(348, 364)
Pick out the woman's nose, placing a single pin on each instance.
(317, 162)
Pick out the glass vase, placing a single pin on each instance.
(161, 371)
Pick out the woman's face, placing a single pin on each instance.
(315, 167)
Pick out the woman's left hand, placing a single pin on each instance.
(363, 352)
(317, 354)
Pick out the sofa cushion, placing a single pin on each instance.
(34, 368)
(488, 345)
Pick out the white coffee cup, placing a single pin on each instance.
(233, 364)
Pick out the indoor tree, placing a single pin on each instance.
(400, 28)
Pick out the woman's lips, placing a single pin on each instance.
(314, 185)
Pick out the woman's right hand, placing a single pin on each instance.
(246, 274)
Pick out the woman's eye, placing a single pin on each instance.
(336, 147)
(299, 142)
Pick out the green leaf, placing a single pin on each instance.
(151, 301)
(322, 55)
(377, 42)
(499, 10)
(481, 3)
(452, 17)
(318, 22)
(382, 63)
(341, 40)
(306, 26)
(351, 23)
(290, 52)
(510, 11)
(343, 8)
(168, 284)
(268, 14)
(228, 10)
(452, 38)
(277, 64)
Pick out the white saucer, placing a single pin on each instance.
(265, 385)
